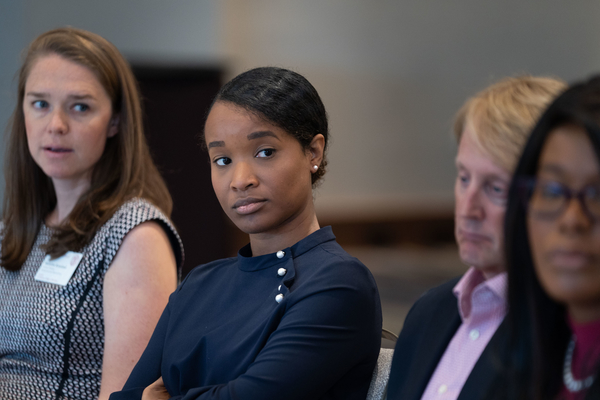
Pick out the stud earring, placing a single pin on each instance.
(315, 167)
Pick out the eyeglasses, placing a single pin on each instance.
(547, 199)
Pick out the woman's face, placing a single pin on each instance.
(260, 173)
(68, 118)
(565, 244)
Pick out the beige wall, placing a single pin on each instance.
(391, 73)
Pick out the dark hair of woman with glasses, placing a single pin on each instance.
(553, 255)
(293, 316)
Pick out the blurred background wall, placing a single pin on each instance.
(391, 73)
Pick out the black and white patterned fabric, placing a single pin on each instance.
(51, 336)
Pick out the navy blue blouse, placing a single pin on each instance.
(302, 323)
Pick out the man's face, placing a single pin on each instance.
(480, 193)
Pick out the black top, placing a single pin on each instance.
(224, 335)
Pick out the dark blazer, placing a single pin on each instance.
(429, 326)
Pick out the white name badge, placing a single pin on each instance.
(59, 270)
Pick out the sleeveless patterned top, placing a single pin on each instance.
(51, 336)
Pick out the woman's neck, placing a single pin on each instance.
(584, 313)
(285, 236)
(68, 193)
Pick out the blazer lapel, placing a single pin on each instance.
(427, 348)
(435, 341)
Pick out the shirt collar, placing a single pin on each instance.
(249, 263)
(474, 279)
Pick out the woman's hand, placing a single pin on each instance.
(156, 391)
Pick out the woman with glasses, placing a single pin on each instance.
(553, 255)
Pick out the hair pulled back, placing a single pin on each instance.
(283, 98)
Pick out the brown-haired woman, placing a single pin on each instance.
(88, 254)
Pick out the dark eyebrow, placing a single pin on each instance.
(260, 134)
(219, 143)
(253, 135)
(553, 169)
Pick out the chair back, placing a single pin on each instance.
(381, 375)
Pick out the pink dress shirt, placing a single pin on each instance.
(482, 307)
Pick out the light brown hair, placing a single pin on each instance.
(501, 116)
(124, 171)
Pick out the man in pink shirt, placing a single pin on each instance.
(445, 348)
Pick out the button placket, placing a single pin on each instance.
(285, 274)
